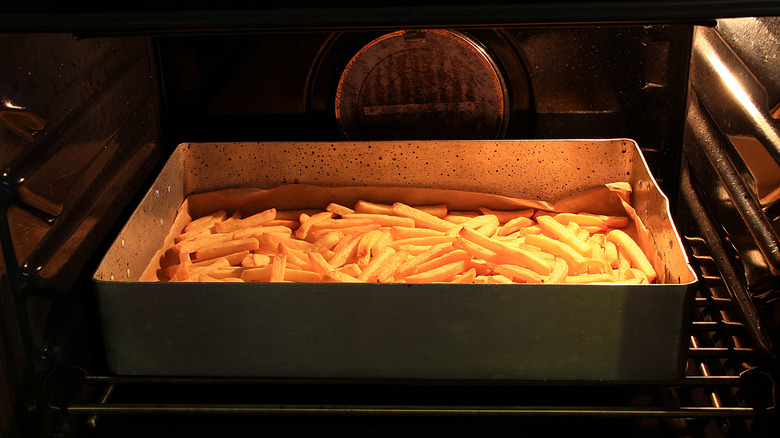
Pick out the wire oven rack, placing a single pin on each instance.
(728, 388)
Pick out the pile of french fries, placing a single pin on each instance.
(409, 244)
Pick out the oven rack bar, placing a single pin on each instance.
(369, 410)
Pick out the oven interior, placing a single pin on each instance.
(91, 109)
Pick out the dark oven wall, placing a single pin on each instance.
(560, 82)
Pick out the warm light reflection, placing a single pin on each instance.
(8, 104)
(760, 120)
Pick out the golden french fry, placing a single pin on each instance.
(602, 222)
(459, 217)
(479, 221)
(559, 272)
(351, 269)
(440, 274)
(307, 223)
(386, 272)
(433, 251)
(231, 272)
(506, 216)
(574, 259)
(326, 242)
(295, 215)
(227, 247)
(384, 220)
(518, 273)
(259, 230)
(559, 231)
(590, 278)
(514, 225)
(205, 222)
(633, 252)
(230, 225)
(318, 263)
(400, 233)
(382, 242)
(258, 275)
(466, 277)
(422, 218)
(199, 242)
(337, 224)
(446, 258)
(339, 277)
(493, 279)
(369, 271)
(256, 260)
(423, 241)
(367, 241)
(279, 265)
(339, 209)
(345, 252)
(518, 255)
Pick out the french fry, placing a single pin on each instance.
(459, 217)
(633, 252)
(339, 209)
(384, 220)
(205, 222)
(466, 277)
(448, 257)
(518, 273)
(326, 242)
(344, 252)
(400, 233)
(339, 277)
(295, 215)
(256, 260)
(410, 265)
(514, 225)
(351, 269)
(525, 258)
(227, 247)
(387, 271)
(440, 274)
(601, 222)
(574, 259)
(506, 216)
(318, 263)
(279, 265)
(428, 240)
(559, 272)
(422, 218)
(259, 230)
(559, 231)
(368, 273)
(367, 241)
(382, 242)
(493, 279)
(590, 278)
(200, 242)
(307, 223)
(230, 225)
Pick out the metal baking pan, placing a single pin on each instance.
(442, 332)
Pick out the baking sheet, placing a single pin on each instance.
(476, 332)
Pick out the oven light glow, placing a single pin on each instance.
(759, 119)
(10, 105)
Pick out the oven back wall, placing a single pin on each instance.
(563, 82)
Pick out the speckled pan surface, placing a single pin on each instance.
(373, 331)
(537, 169)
